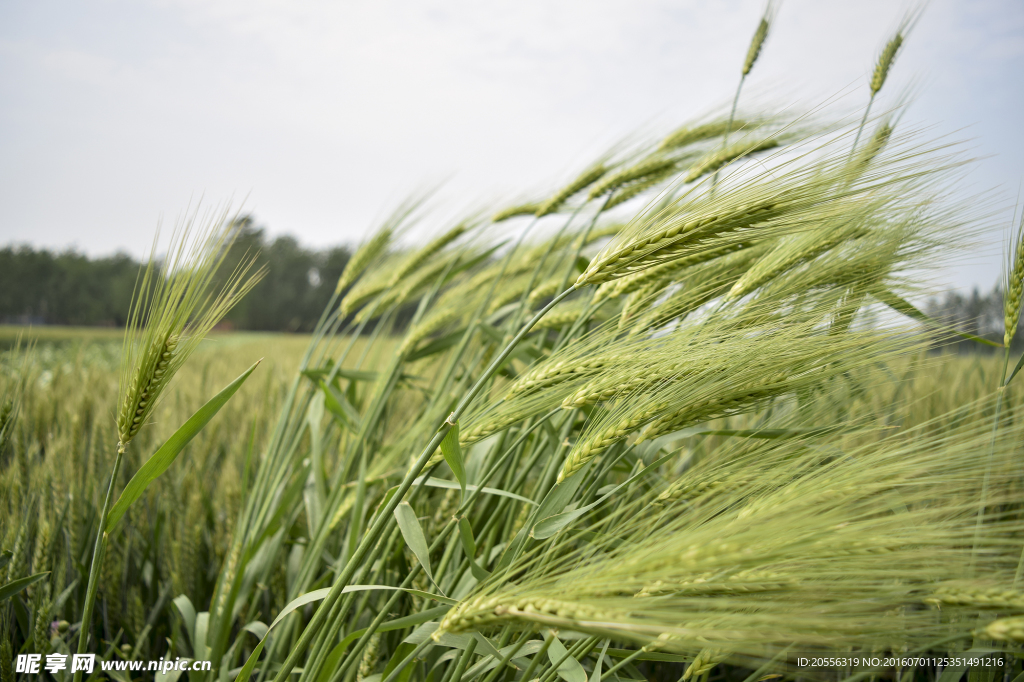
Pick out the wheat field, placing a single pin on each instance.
(674, 418)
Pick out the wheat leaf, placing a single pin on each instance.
(442, 483)
(188, 614)
(340, 408)
(165, 456)
(569, 669)
(418, 593)
(453, 455)
(15, 586)
(469, 547)
(596, 675)
(412, 531)
(318, 375)
(298, 602)
(901, 306)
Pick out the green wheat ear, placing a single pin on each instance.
(755, 45)
(1014, 286)
(370, 254)
(891, 50)
(1006, 629)
(653, 166)
(733, 152)
(692, 134)
(363, 257)
(172, 310)
(585, 179)
(885, 61)
(150, 378)
(882, 67)
(515, 211)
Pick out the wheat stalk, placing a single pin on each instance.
(881, 71)
(172, 311)
(753, 52)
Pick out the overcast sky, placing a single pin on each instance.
(115, 113)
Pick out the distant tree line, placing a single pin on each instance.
(69, 288)
(975, 313)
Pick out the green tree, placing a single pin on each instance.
(69, 288)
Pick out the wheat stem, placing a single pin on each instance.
(356, 560)
(441, 537)
(860, 129)
(409, 659)
(626, 661)
(513, 650)
(524, 299)
(728, 129)
(988, 459)
(460, 667)
(99, 552)
(385, 517)
(527, 675)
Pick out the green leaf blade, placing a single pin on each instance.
(15, 586)
(169, 451)
(1020, 363)
(340, 408)
(569, 669)
(296, 603)
(453, 455)
(902, 306)
(412, 531)
(469, 547)
(451, 485)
